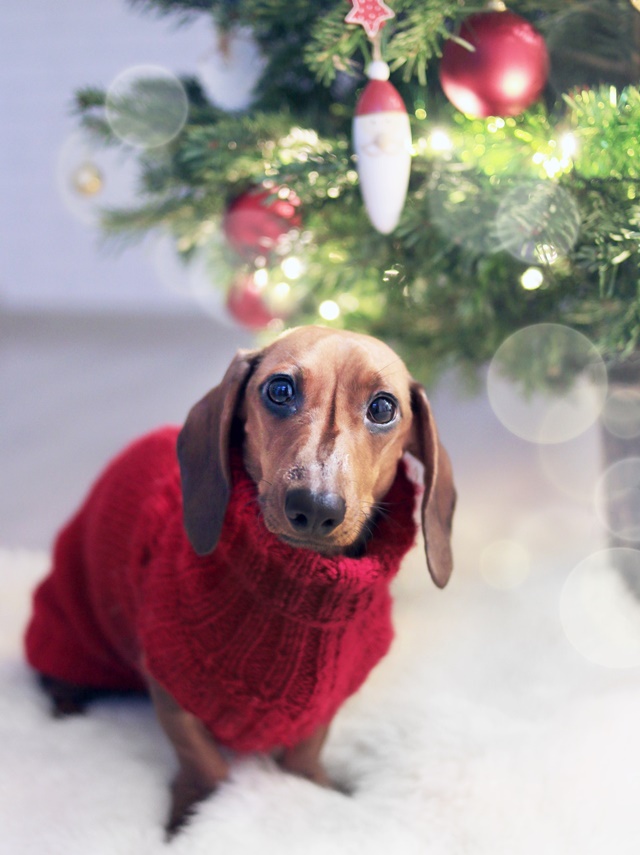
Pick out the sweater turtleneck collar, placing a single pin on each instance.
(300, 583)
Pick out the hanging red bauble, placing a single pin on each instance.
(246, 305)
(256, 220)
(504, 73)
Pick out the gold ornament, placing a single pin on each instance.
(87, 179)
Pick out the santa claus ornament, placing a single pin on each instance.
(381, 129)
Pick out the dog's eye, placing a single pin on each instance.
(382, 410)
(280, 391)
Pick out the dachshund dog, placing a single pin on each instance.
(320, 420)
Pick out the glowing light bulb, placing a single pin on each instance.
(552, 166)
(532, 278)
(568, 146)
(261, 278)
(440, 141)
(329, 310)
(282, 290)
(292, 267)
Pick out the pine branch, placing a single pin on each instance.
(449, 276)
(418, 37)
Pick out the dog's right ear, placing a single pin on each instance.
(439, 499)
(203, 454)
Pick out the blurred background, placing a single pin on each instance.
(97, 345)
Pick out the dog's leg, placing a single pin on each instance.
(68, 698)
(202, 767)
(303, 759)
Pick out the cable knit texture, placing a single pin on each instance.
(260, 640)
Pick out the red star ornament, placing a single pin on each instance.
(371, 14)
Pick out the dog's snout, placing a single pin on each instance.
(312, 513)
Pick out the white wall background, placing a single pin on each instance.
(48, 258)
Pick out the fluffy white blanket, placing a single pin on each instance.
(483, 732)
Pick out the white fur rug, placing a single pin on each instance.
(483, 732)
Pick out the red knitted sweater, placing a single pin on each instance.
(260, 640)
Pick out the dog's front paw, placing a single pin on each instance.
(317, 774)
(186, 793)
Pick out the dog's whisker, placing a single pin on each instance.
(379, 373)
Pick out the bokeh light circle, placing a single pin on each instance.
(599, 614)
(146, 106)
(574, 467)
(538, 222)
(567, 380)
(463, 212)
(621, 413)
(557, 535)
(93, 178)
(617, 499)
(193, 280)
(504, 564)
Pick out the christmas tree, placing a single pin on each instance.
(525, 217)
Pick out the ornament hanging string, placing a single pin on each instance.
(372, 16)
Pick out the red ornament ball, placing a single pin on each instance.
(256, 220)
(246, 305)
(504, 74)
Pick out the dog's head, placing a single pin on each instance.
(326, 416)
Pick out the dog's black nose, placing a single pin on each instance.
(314, 513)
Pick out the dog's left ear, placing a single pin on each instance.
(439, 492)
(203, 455)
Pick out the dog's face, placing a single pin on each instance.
(326, 416)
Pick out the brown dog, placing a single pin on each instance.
(323, 419)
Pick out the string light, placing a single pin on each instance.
(568, 145)
(532, 278)
(292, 267)
(261, 278)
(553, 166)
(440, 141)
(495, 125)
(329, 310)
(281, 291)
